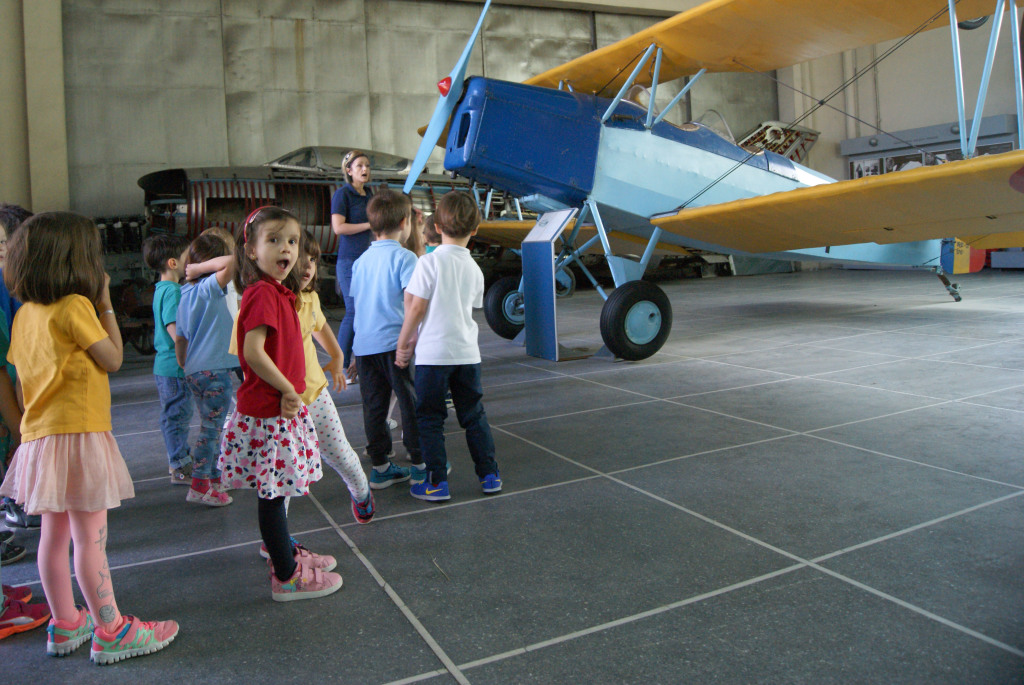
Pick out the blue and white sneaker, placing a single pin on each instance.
(491, 483)
(430, 493)
(417, 474)
(394, 474)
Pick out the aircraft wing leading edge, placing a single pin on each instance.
(972, 197)
(725, 35)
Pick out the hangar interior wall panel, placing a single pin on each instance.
(153, 85)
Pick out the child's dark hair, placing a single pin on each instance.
(247, 271)
(12, 216)
(457, 215)
(204, 248)
(430, 234)
(52, 255)
(160, 247)
(386, 209)
(310, 248)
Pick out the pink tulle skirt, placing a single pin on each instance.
(68, 472)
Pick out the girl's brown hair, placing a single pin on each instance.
(309, 247)
(247, 271)
(52, 255)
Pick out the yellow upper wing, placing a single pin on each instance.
(725, 35)
(973, 197)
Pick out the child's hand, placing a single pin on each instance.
(336, 373)
(291, 403)
(194, 271)
(403, 355)
(352, 372)
(102, 302)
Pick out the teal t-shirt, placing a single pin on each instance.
(165, 311)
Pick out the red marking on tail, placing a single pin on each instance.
(1017, 180)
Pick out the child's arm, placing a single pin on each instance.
(180, 347)
(334, 367)
(223, 267)
(415, 310)
(264, 367)
(9, 410)
(109, 352)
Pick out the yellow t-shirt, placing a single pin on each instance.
(311, 318)
(65, 390)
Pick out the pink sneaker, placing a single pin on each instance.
(324, 562)
(64, 637)
(305, 583)
(135, 638)
(211, 498)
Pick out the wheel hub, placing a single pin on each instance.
(643, 322)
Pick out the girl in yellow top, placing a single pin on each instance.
(334, 446)
(64, 342)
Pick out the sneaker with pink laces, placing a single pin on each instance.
(324, 562)
(18, 616)
(211, 498)
(305, 583)
(134, 638)
(64, 637)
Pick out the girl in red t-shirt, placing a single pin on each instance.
(269, 443)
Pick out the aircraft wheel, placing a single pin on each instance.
(503, 307)
(565, 283)
(636, 320)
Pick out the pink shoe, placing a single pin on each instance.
(211, 498)
(64, 637)
(135, 638)
(324, 562)
(305, 583)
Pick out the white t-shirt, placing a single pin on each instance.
(454, 285)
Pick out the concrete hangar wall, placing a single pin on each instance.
(103, 91)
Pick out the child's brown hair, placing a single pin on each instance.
(310, 249)
(204, 248)
(52, 255)
(430, 234)
(457, 215)
(386, 210)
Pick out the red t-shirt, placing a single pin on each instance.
(268, 303)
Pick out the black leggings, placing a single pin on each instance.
(274, 530)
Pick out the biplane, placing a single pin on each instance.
(568, 138)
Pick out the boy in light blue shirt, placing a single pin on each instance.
(379, 278)
(165, 254)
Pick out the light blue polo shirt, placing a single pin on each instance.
(379, 278)
(204, 320)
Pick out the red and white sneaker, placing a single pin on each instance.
(305, 583)
(211, 498)
(22, 593)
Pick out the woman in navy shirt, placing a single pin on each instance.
(348, 219)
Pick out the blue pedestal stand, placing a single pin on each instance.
(540, 327)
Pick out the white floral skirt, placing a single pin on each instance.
(277, 456)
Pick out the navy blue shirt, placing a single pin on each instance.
(8, 305)
(351, 205)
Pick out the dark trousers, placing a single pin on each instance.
(432, 383)
(378, 377)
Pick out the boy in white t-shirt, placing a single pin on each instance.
(444, 289)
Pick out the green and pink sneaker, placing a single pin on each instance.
(64, 637)
(135, 638)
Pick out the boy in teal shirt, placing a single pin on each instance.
(165, 254)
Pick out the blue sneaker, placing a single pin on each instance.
(491, 483)
(417, 474)
(394, 474)
(430, 493)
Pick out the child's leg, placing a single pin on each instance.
(54, 570)
(89, 531)
(431, 383)
(274, 531)
(375, 390)
(212, 390)
(175, 415)
(405, 394)
(334, 446)
(467, 394)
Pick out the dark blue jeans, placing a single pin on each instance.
(432, 383)
(378, 377)
(346, 331)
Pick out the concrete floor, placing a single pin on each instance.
(819, 479)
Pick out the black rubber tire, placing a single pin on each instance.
(497, 303)
(569, 288)
(654, 309)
